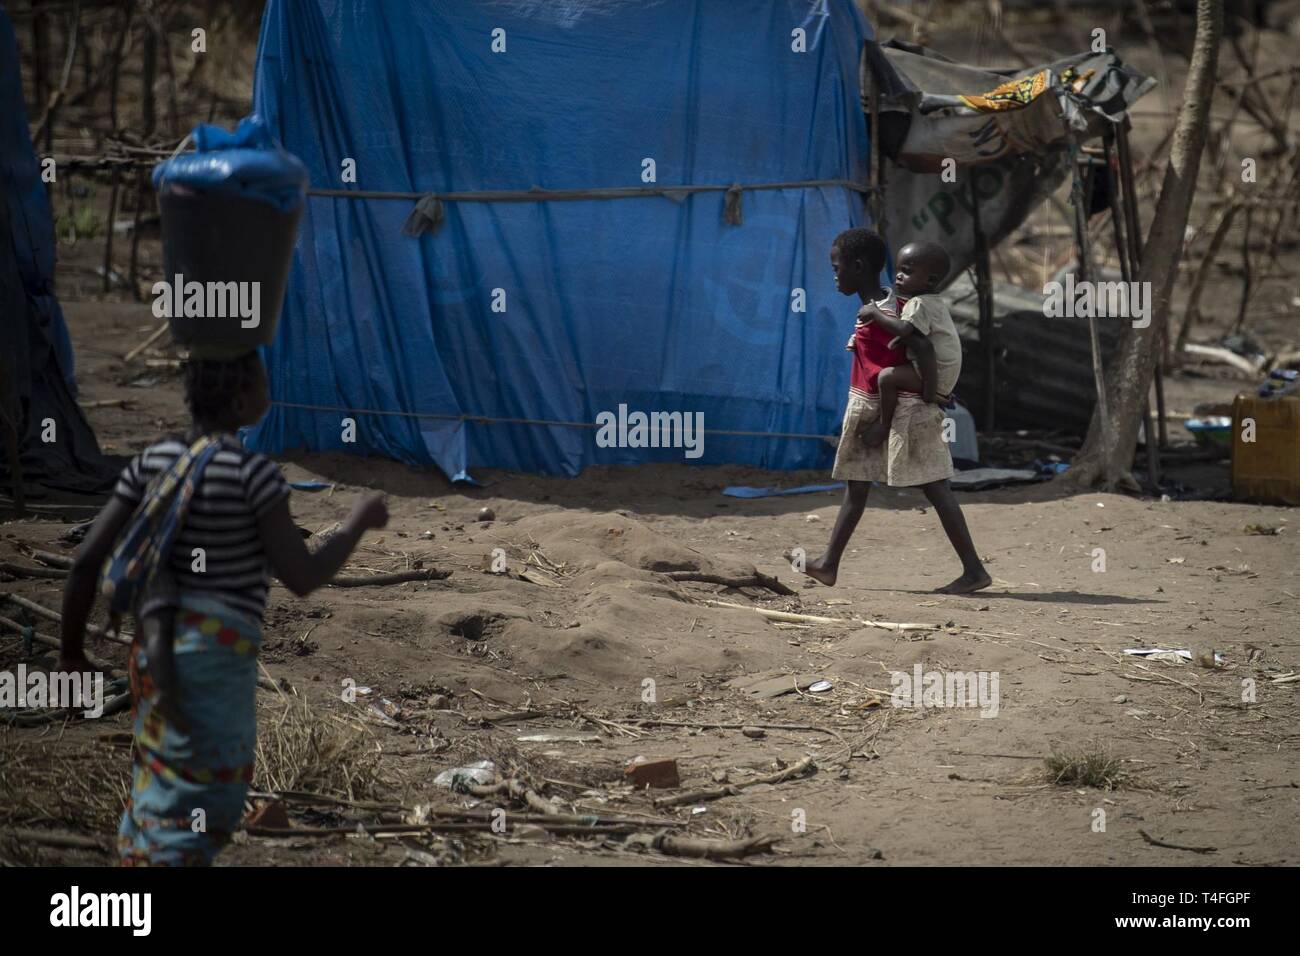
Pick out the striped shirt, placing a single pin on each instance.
(237, 489)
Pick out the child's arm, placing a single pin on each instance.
(303, 571)
(79, 592)
(890, 323)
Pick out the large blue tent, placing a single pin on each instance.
(467, 345)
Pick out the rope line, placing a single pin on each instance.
(536, 194)
(494, 420)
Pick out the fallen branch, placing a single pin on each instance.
(756, 580)
(19, 571)
(1216, 353)
(706, 726)
(403, 829)
(1174, 846)
(1171, 680)
(40, 638)
(40, 610)
(484, 816)
(518, 791)
(70, 841)
(703, 849)
(48, 558)
(154, 337)
(806, 765)
(793, 618)
(397, 577)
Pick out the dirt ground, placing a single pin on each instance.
(893, 785)
(479, 660)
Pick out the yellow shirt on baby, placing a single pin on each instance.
(930, 315)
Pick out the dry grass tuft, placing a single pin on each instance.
(80, 787)
(1091, 768)
(300, 747)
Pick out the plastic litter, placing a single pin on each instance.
(744, 491)
(481, 773)
(1167, 656)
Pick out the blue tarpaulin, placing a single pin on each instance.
(37, 385)
(29, 217)
(557, 311)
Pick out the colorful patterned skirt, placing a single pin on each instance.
(188, 786)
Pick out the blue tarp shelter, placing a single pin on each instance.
(653, 302)
(37, 385)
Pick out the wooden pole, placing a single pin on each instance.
(876, 164)
(984, 298)
(108, 239)
(1123, 244)
(140, 192)
(149, 67)
(1080, 202)
(41, 63)
(123, 30)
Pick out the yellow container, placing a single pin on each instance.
(1268, 468)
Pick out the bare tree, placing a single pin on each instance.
(1129, 376)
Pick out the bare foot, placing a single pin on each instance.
(875, 434)
(818, 570)
(966, 584)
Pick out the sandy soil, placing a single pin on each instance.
(894, 785)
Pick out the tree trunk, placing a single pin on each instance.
(1130, 374)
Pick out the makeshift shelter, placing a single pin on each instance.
(963, 155)
(41, 424)
(697, 159)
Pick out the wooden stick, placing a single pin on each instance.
(17, 570)
(793, 618)
(1247, 273)
(798, 769)
(518, 791)
(706, 849)
(51, 615)
(1174, 846)
(153, 337)
(707, 726)
(1216, 353)
(397, 577)
(50, 558)
(70, 841)
(39, 638)
(756, 580)
(298, 796)
(1192, 314)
